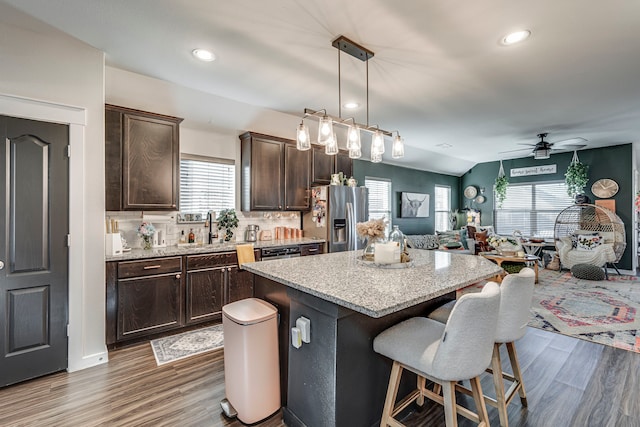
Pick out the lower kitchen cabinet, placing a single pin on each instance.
(148, 305)
(150, 297)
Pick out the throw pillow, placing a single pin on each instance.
(588, 242)
(574, 236)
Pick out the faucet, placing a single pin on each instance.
(209, 224)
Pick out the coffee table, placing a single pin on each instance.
(527, 260)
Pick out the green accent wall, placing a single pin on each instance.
(611, 162)
(412, 181)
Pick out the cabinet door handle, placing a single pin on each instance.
(151, 267)
(312, 250)
(178, 276)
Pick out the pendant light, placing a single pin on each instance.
(326, 135)
(303, 141)
(331, 148)
(325, 130)
(397, 150)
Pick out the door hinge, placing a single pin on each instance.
(68, 150)
(67, 330)
(68, 240)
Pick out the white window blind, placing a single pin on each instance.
(442, 206)
(206, 183)
(532, 208)
(379, 198)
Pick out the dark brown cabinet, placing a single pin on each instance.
(149, 297)
(311, 249)
(214, 280)
(275, 175)
(323, 165)
(142, 156)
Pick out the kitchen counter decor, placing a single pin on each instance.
(373, 231)
(228, 220)
(146, 231)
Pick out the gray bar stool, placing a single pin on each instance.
(444, 354)
(516, 291)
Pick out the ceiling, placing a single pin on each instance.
(439, 75)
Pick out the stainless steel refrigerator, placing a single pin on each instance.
(335, 210)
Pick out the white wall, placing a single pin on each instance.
(42, 64)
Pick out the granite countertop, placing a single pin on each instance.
(345, 280)
(193, 249)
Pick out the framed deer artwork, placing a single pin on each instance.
(414, 205)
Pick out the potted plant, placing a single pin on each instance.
(501, 185)
(228, 220)
(576, 176)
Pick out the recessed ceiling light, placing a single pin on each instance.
(516, 37)
(351, 105)
(204, 55)
(444, 145)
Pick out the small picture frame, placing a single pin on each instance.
(414, 205)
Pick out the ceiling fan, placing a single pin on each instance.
(543, 149)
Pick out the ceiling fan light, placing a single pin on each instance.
(353, 137)
(325, 130)
(397, 150)
(331, 148)
(303, 141)
(541, 153)
(377, 142)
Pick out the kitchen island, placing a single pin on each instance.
(337, 379)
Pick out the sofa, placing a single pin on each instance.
(447, 240)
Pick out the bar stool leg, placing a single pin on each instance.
(498, 382)
(450, 412)
(478, 398)
(515, 365)
(392, 392)
(421, 387)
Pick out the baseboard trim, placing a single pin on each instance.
(89, 361)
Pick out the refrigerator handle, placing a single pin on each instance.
(351, 228)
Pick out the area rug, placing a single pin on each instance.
(180, 346)
(605, 312)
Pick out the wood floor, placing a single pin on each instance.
(569, 382)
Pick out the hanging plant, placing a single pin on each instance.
(500, 186)
(576, 176)
(228, 220)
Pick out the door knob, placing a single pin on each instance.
(1, 265)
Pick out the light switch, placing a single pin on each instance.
(304, 325)
(296, 338)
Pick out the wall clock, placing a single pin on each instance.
(470, 192)
(604, 188)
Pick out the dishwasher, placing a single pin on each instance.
(280, 252)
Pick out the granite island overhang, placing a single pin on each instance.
(337, 379)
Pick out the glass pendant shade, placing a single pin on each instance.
(541, 153)
(376, 157)
(325, 130)
(397, 151)
(355, 153)
(331, 148)
(303, 141)
(353, 137)
(377, 143)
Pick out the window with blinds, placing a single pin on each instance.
(379, 198)
(442, 206)
(206, 183)
(532, 208)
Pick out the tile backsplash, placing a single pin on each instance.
(128, 223)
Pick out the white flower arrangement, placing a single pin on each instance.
(496, 241)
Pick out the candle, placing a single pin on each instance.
(387, 253)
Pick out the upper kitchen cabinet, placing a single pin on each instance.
(142, 160)
(324, 165)
(275, 175)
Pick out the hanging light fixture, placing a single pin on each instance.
(326, 135)
(303, 141)
(332, 145)
(397, 149)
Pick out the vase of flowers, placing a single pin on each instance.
(373, 231)
(228, 220)
(507, 246)
(146, 230)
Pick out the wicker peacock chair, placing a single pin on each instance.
(581, 220)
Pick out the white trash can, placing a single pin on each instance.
(251, 365)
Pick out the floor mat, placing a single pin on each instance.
(604, 311)
(176, 347)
